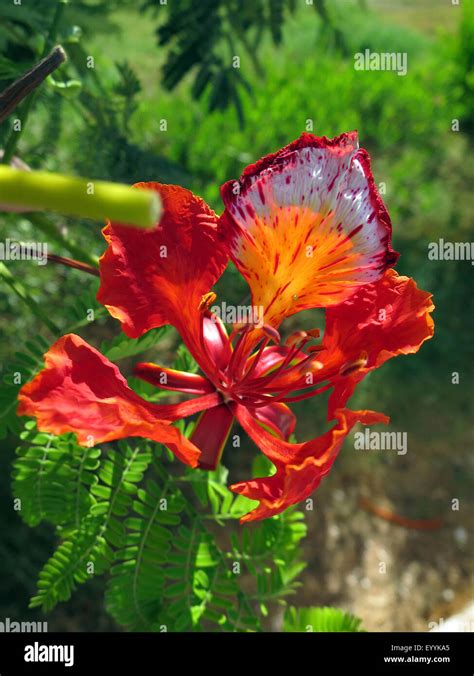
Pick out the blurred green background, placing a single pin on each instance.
(164, 102)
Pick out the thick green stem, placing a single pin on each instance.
(100, 200)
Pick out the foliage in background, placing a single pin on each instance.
(320, 619)
(212, 37)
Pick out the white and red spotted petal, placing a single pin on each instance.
(306, 225)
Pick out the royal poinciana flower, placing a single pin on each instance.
(306, 228)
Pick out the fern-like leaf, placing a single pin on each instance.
(171, 574)
(100, 532)
(320, 619)
(52, 478)
(211, 490)
(19, 371)
(121, 346)
(135, 591)
(75, 561)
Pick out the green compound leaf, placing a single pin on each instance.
(320, 619)
(89, 550)
(52, 478)
(171, 574)
(121, 346)
(75, 561)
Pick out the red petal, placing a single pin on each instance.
(382, 320)
(315, 196)
(217, 344)
(210, 435)
(81, 391)
(299, 467)
(271, 358)
(155, 277)
(278, 418)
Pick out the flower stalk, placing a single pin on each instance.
(73, 196)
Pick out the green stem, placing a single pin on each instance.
(58, 12)
(14, 136)
(73, 196)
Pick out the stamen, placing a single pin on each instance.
(351, 367)
(264, 380)
(256, 360)
(315, 348)
(206, 301)
(296, 367)
(218, 374)
(280, 371)
(271, 333)
(249, 338)
(287, 400)
(236, 354)
(238, 328)
(297, 338)
(302, 337)
(256, 401)
(306, 395)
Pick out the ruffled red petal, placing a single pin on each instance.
(158, 276)
(299, 467)
(389, 317)
(80, 391)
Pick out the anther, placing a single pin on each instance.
(315, 348)
(297, 338)
(206, 301)
(315, 364)
(351, 367)
(300, 338)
